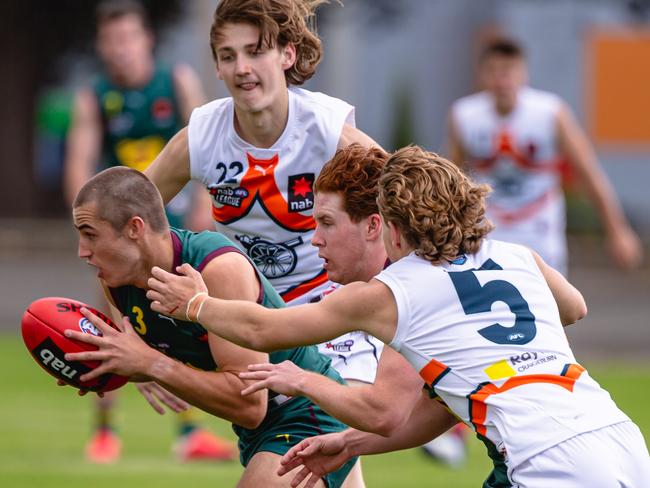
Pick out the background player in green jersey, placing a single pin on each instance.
(125, 117)
(123, 233)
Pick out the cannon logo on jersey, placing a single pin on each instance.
(301, 192)
(273, 259)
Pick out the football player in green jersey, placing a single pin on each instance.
(123, 233)
(125, 117)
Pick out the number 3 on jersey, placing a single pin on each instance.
(140, 327)
(477, 298)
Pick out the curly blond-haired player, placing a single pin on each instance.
(480, 320)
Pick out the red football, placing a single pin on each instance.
(43, 324)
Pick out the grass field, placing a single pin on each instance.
(43, 429)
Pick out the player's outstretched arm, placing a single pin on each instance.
(170, 171)
(569, 300)
(624, 245)
(367, 306)
(323, 454)
(371, 408)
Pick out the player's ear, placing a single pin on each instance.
(373, 227)
(135, 227)
(288, 52)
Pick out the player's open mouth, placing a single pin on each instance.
(98, 269)
(247, 86)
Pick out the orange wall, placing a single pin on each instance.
(618, 86)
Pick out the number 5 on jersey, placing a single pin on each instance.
(477, 298)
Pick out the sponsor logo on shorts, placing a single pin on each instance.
(345, 346)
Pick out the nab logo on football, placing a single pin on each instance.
(86, 326)
(301, 192)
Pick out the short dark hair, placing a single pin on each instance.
(354, 172)
(109, 10)
(503, 47)
(121, 193)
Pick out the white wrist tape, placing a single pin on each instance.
(189, 304)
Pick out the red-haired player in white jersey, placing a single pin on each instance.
(515, 138)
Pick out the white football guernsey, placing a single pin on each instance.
(517, 155)
(263, 198)
(485, 334)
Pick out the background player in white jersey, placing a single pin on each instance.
(515, 138)
(259, 151)
(481, 320)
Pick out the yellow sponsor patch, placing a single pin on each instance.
(500, 369)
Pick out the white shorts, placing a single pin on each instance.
(354, 355)
(612, 457)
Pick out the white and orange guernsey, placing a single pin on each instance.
(263, 197)
(485, 334)
(518, 155)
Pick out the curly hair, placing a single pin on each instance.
(280, 22)
(437, 208)
(354, 172)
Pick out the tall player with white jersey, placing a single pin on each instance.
(516, 139)
(480, 320)
(259, 151)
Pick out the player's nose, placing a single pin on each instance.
(242, 66)
(82, 251)
(316, 239)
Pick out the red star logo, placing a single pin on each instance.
(301, 187)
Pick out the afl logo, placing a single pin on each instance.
(86, 326)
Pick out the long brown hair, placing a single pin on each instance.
(280, 22)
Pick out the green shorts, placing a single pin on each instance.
(285, 426)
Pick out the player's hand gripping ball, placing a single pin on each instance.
(43, 324)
